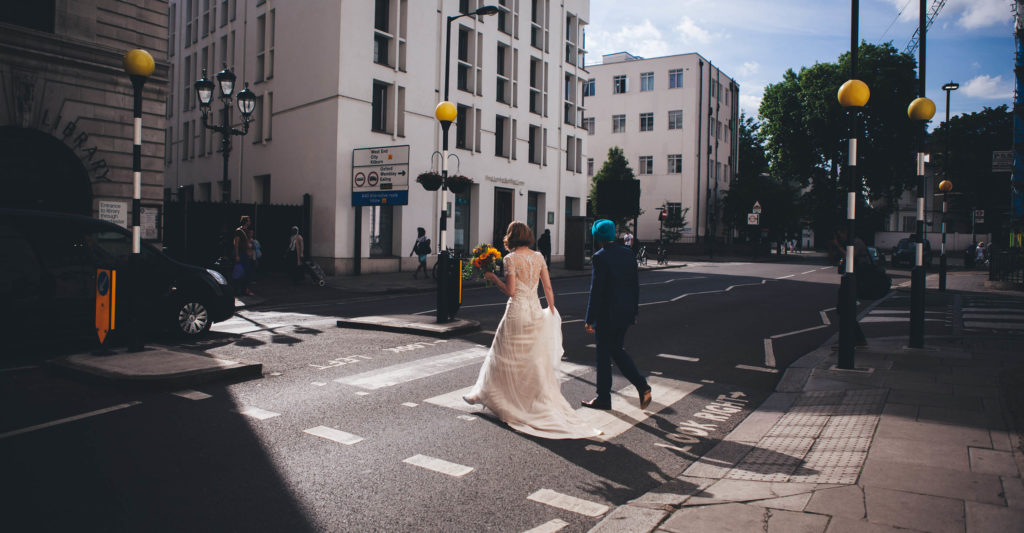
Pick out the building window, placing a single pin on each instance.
(646, 164)
(570, 152)
(619, 84)
(535, 138)
(185, 141)
(588, 123)
(502, 139)
(675, 119)
(675, 78)
(646, 81)
(188, 23)
(172, 28)
(33, 14)
(269, 117)
(503, 93)
(588, 88)
(675, 210)
(379, 107)
(206, 17)
(503, 17)
(257, 120)
(618, 123)
(675, 163)
(261, 46)
(590, 166)
(646, 121)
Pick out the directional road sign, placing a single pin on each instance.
(380, 175)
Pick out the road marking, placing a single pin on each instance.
(758, 369)
(410, 404)
(627, 413)
(892, 319)
(275, 374)
(666, 281)
(824, 316)
(453, 399)
(679, 357)
(439, 465)
(568, 503)
(594, 448)
(572, 321)
(994, 325)
(769, 353)
(192, 394)
(684, 295)
(707, 381)
(993, 310)
(335, 435)
(257, 413)
(69, 419)
(799, 331)
(784, 277)
(318, 383)
(467, 417)
(549, 527)
(809, 271)
(413, 370)
(362, 393)
(591, 346)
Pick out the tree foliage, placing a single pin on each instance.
(615, 168)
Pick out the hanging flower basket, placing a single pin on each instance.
(430, 181)
(459, 184)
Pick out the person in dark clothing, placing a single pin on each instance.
(544, 246)
(242, 245)
(421, 247)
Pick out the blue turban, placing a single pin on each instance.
(604, 230)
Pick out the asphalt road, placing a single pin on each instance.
(352, 430)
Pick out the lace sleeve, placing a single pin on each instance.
(509, 264)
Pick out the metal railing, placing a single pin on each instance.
(1007, 266)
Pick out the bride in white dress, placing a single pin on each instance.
(518, 380)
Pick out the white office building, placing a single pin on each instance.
(675, 118)
(334, 77)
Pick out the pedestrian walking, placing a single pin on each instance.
(627, 239)
(242, 246)
(421, 247)
(293, 257)
(544, 246)
(613, 306)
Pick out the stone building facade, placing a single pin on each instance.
(66, 107)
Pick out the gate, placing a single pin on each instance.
(199, 233)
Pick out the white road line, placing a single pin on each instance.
(758, 369)
(994, 325)
(549, 527)
(667, 281)
(568, 503)
(797, 332)
(192, 394)
(413, 370)
(824, 316)
(993, 310)
(467, 417)
(69, 419)
(453, 399)
(318, 383)
(362, 393)
(335, 435)
(679, 357)
(769, 353)
(784, 277)
(410, 404)
(257, 413)
(892, 319)
(439, 465)
(809, 271)
(684, 295)
(626, 409)
(572, 321)
(591, 346)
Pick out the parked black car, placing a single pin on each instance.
(48, 279)
(903, 253)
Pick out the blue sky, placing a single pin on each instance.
(755, 41)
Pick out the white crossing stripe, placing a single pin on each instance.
(758, 368)
(192, 394)
(1000, 310)
(257, 413)
(626, 411)
(892, 319)
(453, 400)
(413, 370)
(679, 357)
(568, 503)
(439, 465)
(591, 346)
(994, 325)
(549, 527)
(362, 393)
(335, 435)
(69, 419)
(410, 404)
(318, 383)
(467, 417)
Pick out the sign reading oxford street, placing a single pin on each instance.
(380, 176)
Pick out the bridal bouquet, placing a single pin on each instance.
(485, 259)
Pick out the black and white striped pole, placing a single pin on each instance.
(853, 96)
(921, 109)
(139, 65)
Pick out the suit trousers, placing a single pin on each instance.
(609, 348)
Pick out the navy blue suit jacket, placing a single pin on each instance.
(614, 288)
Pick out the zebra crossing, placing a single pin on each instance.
(992, 314)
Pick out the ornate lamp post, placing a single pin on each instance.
(949, 87)
(246, 104)
(446, 113)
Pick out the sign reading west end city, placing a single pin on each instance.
(380, 175)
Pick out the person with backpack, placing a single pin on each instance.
(422, 249)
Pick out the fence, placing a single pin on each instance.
(199, 233)
(1007, 266)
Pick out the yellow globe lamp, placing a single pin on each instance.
(446, 112)
(138, 63)
(854, 93)
(945, 185)
(921, 109)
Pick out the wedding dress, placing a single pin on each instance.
(518, 380)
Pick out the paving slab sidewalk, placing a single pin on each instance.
(858, 451)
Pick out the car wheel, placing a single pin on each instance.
(192, 318)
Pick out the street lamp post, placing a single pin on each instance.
(446, 113)
(921, 109)
(139, 65)
(246, 104)
(949, 87)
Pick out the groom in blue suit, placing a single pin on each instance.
(613, 306)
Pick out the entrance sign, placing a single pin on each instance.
(116, 212)
(106, 292)
(380, 176)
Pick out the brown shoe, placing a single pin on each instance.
(645, 398)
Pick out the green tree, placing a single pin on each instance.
(615, 168)
(806, 132)
(674, 225)
(753, 160)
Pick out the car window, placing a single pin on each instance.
(19, 266)
(111, 246)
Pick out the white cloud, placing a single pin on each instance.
(750, 103)
(691, 33)
(975, 65)
(643, 40)
(986, 86)
(748, 68)
(976, 14)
